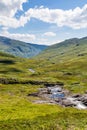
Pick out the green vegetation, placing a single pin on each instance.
(19, 48)
(66, 64)
(17, 112)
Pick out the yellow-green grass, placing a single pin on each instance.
(18, 112)
(72, 72)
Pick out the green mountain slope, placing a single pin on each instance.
(66, 50)
(19, 48)
(65, 62)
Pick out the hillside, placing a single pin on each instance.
(19, 48)
(64, 63)
(68, 49)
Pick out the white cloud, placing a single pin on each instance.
(23, 37)
(8, 8)
(76, 18)
(49, 34)
(30, 38)
(44, 41)
(73, 18)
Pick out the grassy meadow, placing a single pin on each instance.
(18, 110)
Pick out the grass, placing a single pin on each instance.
(17, 110)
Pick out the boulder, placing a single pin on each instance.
(67, 103)
(76, 96)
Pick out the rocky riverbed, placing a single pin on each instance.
(57, 95)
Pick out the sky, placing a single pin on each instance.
(43, 21)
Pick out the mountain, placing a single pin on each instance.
(68, 49)
(19, 48)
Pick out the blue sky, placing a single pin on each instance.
(43, 21)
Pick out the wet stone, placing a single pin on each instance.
(57, 95)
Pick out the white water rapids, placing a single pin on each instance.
(78, 104)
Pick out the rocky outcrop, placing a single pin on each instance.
(67, 103)
(57, 95)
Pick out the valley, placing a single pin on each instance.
(20, 48)
(61, 67)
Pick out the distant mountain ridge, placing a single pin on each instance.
(67, 49)
(19, 48)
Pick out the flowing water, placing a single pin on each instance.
(78, 104)
(56, 92)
